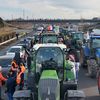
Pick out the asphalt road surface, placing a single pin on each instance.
(3, 51)
(87, 84)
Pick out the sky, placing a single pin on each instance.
(49, 9)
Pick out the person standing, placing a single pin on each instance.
(73, 52)
(20, 76)
(14, 68)
(11, 85)
(17, 35)
(2, 79)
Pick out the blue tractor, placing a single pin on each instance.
(93, 60)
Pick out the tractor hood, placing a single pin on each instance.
(49, 87)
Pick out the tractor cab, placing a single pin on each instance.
(50, 57)
(95, 47)
(77, 35)
(50, 38)
(78, 38)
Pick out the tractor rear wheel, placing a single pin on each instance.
(91, 72)
(92, 65)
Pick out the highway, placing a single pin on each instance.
(5, 48)
(87, 84)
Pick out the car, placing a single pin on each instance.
(30, 38)
(24, 43)
(30, 41)
(13, 49)
(5, 62)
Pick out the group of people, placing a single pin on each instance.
(14, 78)
(73, 60)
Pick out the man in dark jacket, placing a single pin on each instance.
(11, 85)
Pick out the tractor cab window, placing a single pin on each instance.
(49, 57)
(78, 36)
(49, 39)
(96, 43)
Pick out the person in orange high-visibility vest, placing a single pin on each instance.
(14, 65)
(14, 68)
(20, 76)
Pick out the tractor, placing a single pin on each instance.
(50, 37)
(93, 62)
(77, 39)
(48, 76)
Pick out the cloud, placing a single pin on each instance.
(50, 8)
(76, 4)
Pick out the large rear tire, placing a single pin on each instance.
(91, 72)
(31, 82)
(91, 68)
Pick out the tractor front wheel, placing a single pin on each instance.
(91, 68)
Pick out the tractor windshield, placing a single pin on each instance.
(96, 43)
(78, 36)
(49, 39)
(49, 57)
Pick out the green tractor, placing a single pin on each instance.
(49, 77)
(78, 38)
